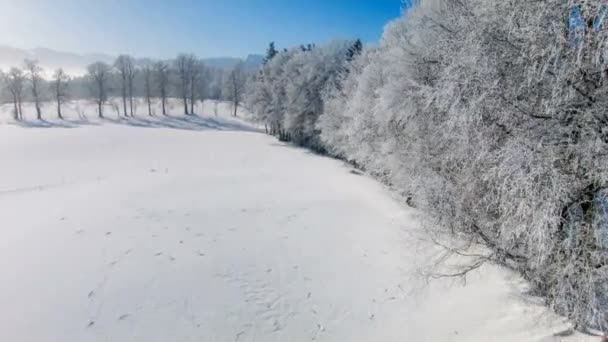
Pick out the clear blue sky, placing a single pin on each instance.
(209, 28)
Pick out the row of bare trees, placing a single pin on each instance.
(185, 77)
(17, 81)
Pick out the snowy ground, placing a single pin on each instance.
(202, 229)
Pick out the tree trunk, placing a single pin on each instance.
(236, 106)
(99, 110)
(131, 104)
(38, 112)
(124, 97)
(20, 109)
(149, 106)
(36, 99)
(185, 105)
(192, 99)
(16, 112)
(59, 109)
(164, 111)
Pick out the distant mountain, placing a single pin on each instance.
(75, 64)
(49, 59)
(254, 60)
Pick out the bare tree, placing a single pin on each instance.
(196, 74)
(235, 86)
(14, 83)
(33, 72)
(60, 88)
(99, 77)
(161, 78)
(126, 69)
(148, 73)
(184, 65)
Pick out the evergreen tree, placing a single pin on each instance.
(354, 50)
(270, 53)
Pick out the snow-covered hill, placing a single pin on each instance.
(201, 228)
(75, 64)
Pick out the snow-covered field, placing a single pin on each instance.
(203, 229)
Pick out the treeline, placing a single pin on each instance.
(185, 77)
(490, 116)
(287, 92)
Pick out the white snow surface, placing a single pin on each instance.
(204, 229)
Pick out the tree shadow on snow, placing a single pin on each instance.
(186, 122)
(56, 123)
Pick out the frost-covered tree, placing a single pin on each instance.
(15, 82)
(162, 82)
(99, 74)
(33, 71)
(59, 86)
(490, 116)
(186, 68)
(196, 73)
(147, 71)
(287, 92)
(125, 65)
(234, 85)
(266, 94)
(350, 126)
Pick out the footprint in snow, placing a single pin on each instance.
(158, 254)
(91, 323)
(91, 294)
(277, 326)
(108, 233)
(320, 329)
(123, 317)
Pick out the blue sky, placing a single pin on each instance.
(162, 28)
